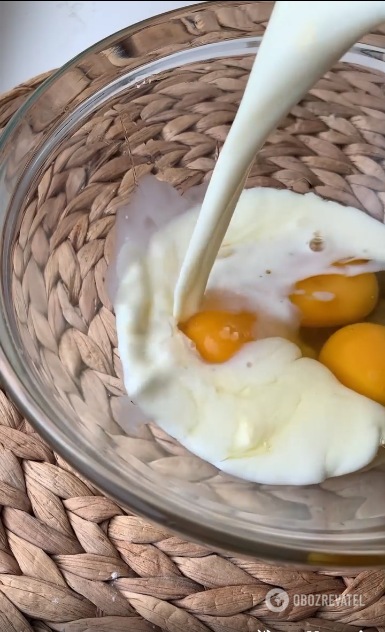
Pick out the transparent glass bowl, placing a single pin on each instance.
(160, 96)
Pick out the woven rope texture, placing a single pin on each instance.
(71, 560)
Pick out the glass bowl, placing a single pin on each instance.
(160, 97)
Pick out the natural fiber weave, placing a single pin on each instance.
(70, 559)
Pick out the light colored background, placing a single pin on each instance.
(39, 36)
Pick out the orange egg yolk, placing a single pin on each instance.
(218, 335)
(356, 356)
(333, 300)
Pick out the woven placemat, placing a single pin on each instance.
(71, 560)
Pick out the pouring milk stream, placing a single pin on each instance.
(302, 41)
(246, 407)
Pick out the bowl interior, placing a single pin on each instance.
(160, 99)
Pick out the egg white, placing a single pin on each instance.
(268, 415)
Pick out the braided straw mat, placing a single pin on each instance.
(71, 560)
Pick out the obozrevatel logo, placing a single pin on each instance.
(277, 600)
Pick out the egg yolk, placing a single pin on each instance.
(217, 335)
(356, 356)
(332, 300)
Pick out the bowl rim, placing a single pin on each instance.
(278, 546)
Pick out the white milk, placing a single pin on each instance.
(302, 41)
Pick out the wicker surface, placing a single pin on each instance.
(70, 559)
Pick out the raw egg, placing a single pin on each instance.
(218, 335)
(224, 383)
(356, 356)
(332, 300)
